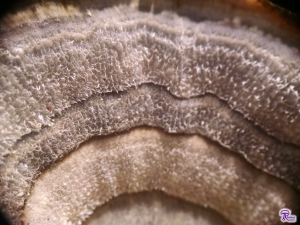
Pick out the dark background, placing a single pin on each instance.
(290, 5)
(7, 5)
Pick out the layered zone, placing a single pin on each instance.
(152, 207)
(230, 91)
(47, 67)
(146, 105)
(185, 166)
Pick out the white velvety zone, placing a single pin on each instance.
(153, 207)
(47, 67)
(188, 167)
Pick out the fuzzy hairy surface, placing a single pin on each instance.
(60, 63)
(188, 167)
(69, 77)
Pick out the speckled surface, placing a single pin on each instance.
(71, 75)
(154, 207)
(185, 166)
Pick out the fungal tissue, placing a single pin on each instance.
(229, 91)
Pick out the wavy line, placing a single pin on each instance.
(44, 73)
(147, 105)
(145, 159)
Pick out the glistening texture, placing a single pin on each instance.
(73, 75)
(188, 167)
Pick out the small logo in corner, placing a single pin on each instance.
(286, 216)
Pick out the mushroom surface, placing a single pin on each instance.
(79, 82)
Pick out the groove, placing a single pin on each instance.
(201, 58)
(146, 159)
(152, 106)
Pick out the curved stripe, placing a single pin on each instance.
(146, 105)
(49, 69)
(186, 166)
(153, 207)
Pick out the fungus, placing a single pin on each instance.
(102, 99)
